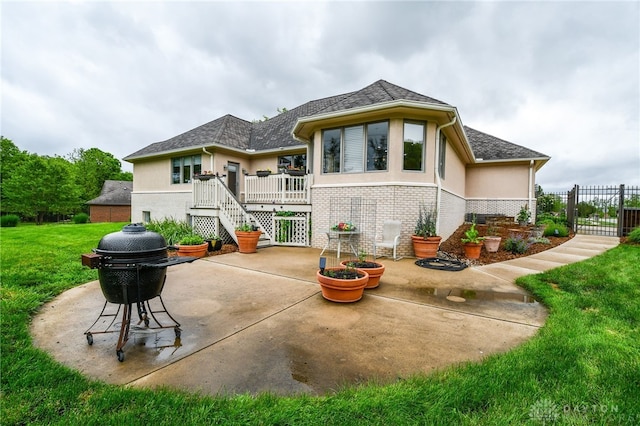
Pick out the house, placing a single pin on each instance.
(113, 204)
(365, 156)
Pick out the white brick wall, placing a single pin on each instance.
(399, 202)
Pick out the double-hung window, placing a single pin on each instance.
(184, 168)
(413, 155)
(355, 149)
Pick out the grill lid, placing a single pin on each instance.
(134, 238)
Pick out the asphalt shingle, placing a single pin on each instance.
(276, 132)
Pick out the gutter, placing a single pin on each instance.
(437, 169)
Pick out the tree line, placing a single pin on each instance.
(40, 187)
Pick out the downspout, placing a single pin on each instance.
(437, 170)
(530, 191)
(210, 158)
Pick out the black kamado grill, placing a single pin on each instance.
(132, 266)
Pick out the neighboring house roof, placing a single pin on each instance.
(274, 133)
(114, 193)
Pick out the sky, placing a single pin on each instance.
(561, 78)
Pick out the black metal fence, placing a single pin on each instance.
(595, 210)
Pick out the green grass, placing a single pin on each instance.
(583, 367)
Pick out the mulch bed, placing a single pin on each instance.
(226, 248)
(453, 245)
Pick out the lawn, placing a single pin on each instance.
(583, 367)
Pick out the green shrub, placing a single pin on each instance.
(634, 236)
(171, 229)
(9, 221)
(81, 218)
(516, 244)
(550, 219)
(556, 230)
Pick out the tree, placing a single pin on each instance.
(39, 186)
(10, 157)
(91, 168)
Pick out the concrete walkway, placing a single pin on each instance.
(257, 322)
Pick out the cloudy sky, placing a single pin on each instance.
(561, 78)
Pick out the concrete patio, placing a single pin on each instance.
(254, 323)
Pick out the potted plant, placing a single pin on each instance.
(523, 215)
(263, 172)
(205, 175)
(374, 269)
(215, 243)
(472, 243)
(492, 240)
(295, 171)
(424, 238)
(342, 284)
(248, 236)
(192, 245)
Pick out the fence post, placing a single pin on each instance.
(621, 211)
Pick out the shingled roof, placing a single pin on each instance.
(275, 132)
(114, 193)
(487, 147)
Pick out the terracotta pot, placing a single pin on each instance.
(341, 290)
(248, 241)
(198, 250)
(472, 250)
(492, 244)
(425, 248)
(374, 273)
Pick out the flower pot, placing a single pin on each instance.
(248, 241)
(492, 243)
(296, 172)
(425, 247)
(342, 290)
(374, 272)
(204, 177)
(472, 250)
(214, 245)
(262, 173)
(198, 250)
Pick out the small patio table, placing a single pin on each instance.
(338, 235)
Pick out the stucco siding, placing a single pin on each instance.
(497, 182)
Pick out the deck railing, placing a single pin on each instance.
(279, 188)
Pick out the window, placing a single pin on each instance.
(355, 149)
(443, 155)
(377, 134)
(295, 161)
(413, 146)
(331, 151)
(183, 168)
